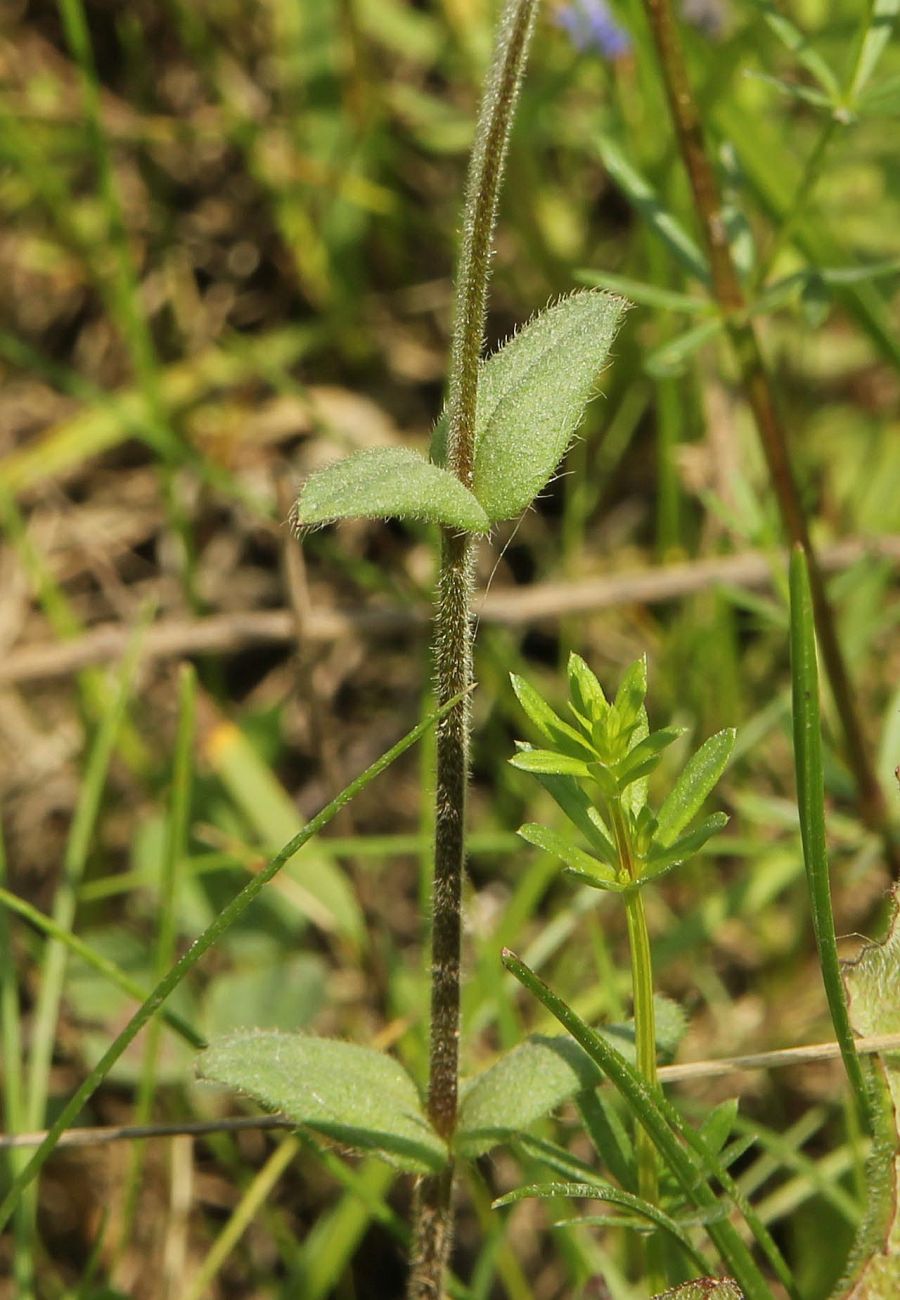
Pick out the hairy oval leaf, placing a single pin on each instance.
(523, 1086)
(350, 1093)
(532, 395)
(388, 482)
(540, 1074)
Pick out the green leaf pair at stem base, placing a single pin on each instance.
(365, 1099)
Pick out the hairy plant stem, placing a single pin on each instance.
(644, 1035)
(757, 386)
(453, 637)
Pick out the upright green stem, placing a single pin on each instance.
(453, 636)
(644, 1032)
(755, 380)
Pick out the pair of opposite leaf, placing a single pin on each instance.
(531, 396)
(367, 1101)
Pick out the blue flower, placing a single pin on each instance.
(591, 26)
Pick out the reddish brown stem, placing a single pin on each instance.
(757, 385)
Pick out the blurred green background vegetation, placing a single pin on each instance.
(228, 237)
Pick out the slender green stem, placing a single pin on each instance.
(644, 1030)
(729, 295)
(53, 964)
(642, 977)
(453, 636)
(645, 1045)
(97, 961)
(812, 171)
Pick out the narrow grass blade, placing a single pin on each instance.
(659, 1119)
(875, 39)
(811, 805)
(210, 936)
(244, 1212)
(613, 1196)
(646, 295)
(669, 358)
(167, 924)
(646, 200)
(325, 894)
(331, 1242)
(97, 961)
(65, 900)
(607, 1132)
(13, 1092)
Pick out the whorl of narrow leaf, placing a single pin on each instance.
(532, 395)
(388, 482)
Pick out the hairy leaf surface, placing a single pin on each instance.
(388, 482)
(353, 1094)
(532, 395)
